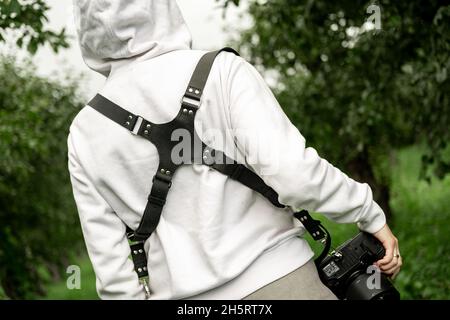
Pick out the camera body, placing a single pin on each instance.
(346, 270)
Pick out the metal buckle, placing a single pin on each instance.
(145, 282)
(191, 102)
(162, 178)
(130, 236)
(137, 125)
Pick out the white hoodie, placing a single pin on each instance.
(216, 239)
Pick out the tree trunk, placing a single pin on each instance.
(362, 171)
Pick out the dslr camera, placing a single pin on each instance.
(348, 273)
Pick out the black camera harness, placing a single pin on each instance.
(160, 136)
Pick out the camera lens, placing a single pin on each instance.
(364, 288)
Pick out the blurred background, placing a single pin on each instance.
(366, 82)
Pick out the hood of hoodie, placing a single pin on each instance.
(114, 32)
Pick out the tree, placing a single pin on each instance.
(28, 17)
(360, 79)
(39, 226)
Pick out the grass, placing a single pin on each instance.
(87, 291)
(422, 225)
(421, 222)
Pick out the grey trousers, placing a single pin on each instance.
(301, 284)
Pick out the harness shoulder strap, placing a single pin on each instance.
(159, 135)
(190, 103)
(200, 75)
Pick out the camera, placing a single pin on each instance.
(347, 273)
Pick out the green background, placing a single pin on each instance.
(375, 104)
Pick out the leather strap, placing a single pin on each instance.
(198, 79)
(160, 136)
(139, 259)
(250, 179)
(114, 112)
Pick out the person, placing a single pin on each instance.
(216, 238)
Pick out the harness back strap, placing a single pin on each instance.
(160, 135)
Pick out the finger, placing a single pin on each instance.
(390, 272)
(394, 269)
(390, 265)
(389, 255)
(391, 250)
(394, 275)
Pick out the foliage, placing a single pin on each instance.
(358, 93)
(38, 220)
(422, 211)
(422, 229)
(29, 17)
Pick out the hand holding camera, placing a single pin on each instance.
(391, 263)
(349, 271)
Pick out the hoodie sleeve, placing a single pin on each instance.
(105, 238)
(277, 152)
